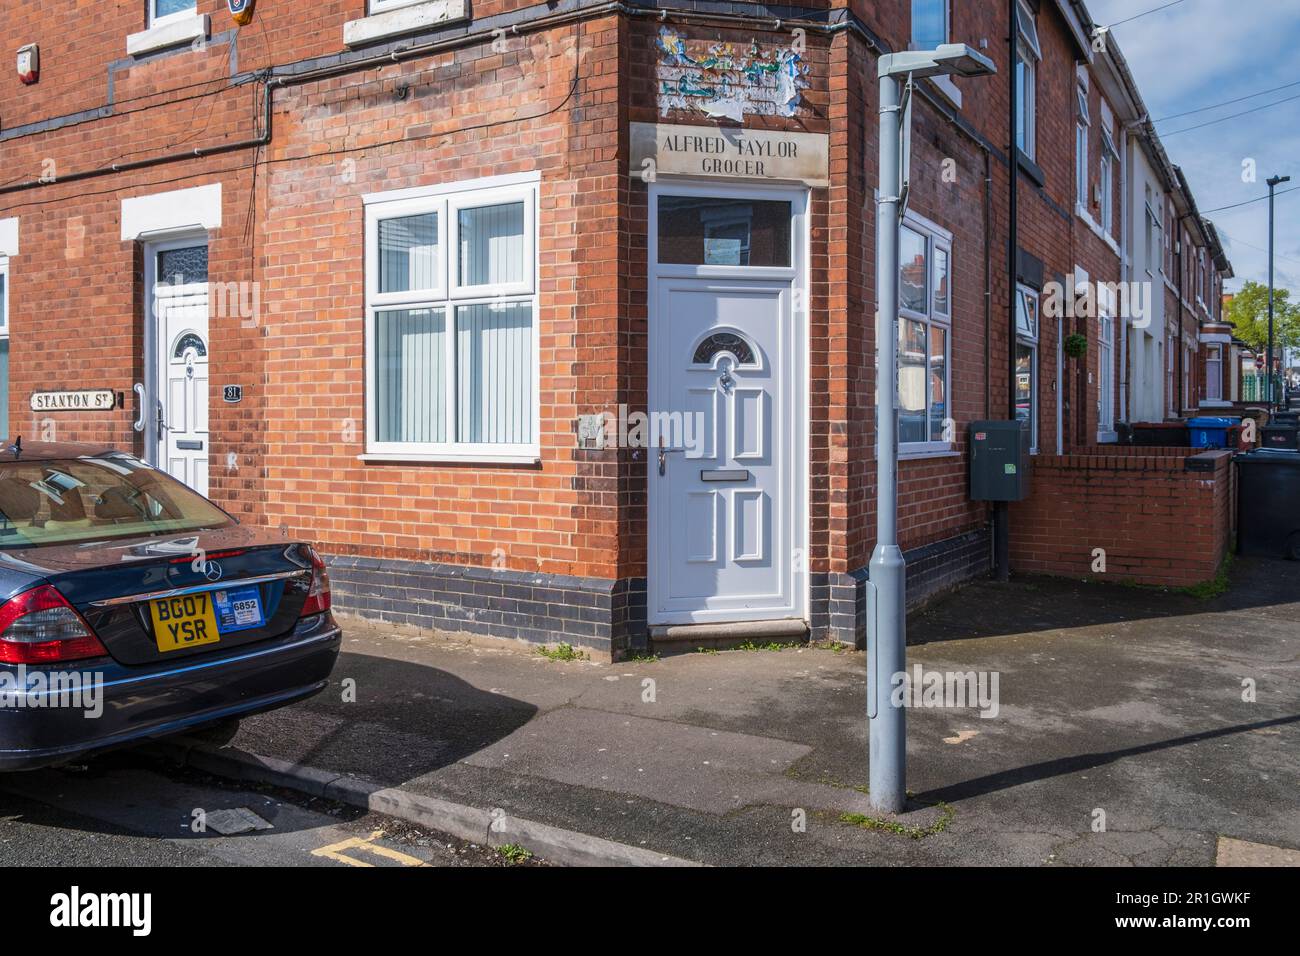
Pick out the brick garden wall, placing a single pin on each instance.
(1157, 522)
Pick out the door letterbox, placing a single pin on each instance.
(999, 461)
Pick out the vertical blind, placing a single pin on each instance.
(410, 355)
(492, 244)
(494, 363)
(408, 253)
(485, 347)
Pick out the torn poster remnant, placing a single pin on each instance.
(715, 79)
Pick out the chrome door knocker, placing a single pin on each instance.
(726, 381)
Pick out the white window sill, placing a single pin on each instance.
(172, 33)
(418, 16)
(927, 450)
(1107, 437)
(1095, 226)
(523, 458)
(948, 89)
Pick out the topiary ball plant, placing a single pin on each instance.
(1076, 345)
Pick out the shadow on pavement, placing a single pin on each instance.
(991, 783)
(407, 720)
(1028, 604)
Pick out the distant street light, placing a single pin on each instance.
(1273, 182)
(886, 615)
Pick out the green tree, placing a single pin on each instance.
(1248, 313)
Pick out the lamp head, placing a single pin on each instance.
(947, 59)
(1274, 180)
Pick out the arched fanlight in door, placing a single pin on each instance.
(189, 340)
(724, 341)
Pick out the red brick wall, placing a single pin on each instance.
(1157, 522)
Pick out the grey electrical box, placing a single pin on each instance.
(999, 461)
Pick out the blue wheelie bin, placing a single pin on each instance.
(1210, 432)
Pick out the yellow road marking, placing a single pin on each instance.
(365, 845)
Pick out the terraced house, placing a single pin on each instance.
(554, 320)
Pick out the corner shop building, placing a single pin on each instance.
(395, 310)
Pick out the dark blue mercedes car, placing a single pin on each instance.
(132, 607)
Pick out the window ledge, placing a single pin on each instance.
(165, 35)
(947, 89)
(1030, 168)
(525, 458)
(1081, 211)
(920, 454)
(418, 16)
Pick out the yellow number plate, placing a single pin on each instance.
(185, 621)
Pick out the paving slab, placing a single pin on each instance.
(1132, 726)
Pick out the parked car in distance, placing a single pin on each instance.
(132, 607)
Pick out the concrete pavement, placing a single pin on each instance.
(1121, 735)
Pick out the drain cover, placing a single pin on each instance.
(235, 820)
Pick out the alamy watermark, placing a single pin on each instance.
(52, 690)
(926, 689)
(1091, 300)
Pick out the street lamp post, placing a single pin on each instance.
(1273, 182)
(886, 618)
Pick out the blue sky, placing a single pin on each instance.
(1201, 52)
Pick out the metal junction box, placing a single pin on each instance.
(999, 461)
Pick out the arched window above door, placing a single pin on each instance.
(724, 340)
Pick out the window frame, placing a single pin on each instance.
(4, 301)
(1029, 55)
(152, 20)
(374, 7)
(1106, 175)
(1214, 382)
(936, 238)
(1028, 294)
(1082, 123)
(1105, 374)
(447, 200)
(947, 22)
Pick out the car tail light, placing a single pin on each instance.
(318, 597)
(40, 627)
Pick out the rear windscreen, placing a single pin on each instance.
(90, 499)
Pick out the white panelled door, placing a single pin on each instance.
(726, 408)
(180, 305)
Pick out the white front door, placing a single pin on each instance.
(180, 308)
(726, 408)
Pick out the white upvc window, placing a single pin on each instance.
(930, 23)
(451, 322)
(1083, 120)
(168, 11)
(1106, 184)
(1214, 373)
(4, 347)
(1106, 375)
(1030, 53)
(925, 306)
(1026, 383)
(1155, 258)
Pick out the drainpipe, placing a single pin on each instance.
(1126, 268)
(1001, 511)
(1178, 224)
(988, 283)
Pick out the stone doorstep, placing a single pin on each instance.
(684, 638)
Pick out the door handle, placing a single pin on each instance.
(138, 424)
(162, 424)
(664, 453)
